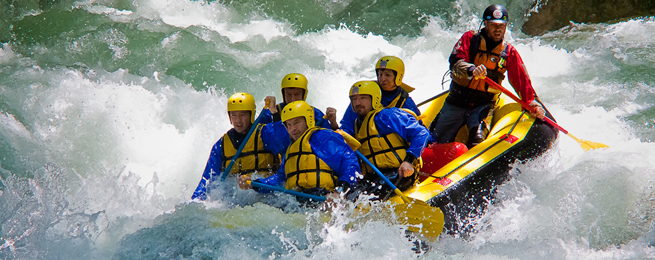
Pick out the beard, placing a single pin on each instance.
(360, 110)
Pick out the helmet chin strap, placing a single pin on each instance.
(480, 27)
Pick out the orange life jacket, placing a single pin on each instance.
(494, 60)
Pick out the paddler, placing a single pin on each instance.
(318, 161)
(390, 138)
(389, 71)
(294, 88)
(474, 57)
(259, 153)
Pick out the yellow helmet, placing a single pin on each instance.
(242, 102)
(294, 80)
(296, 109)
(392, 63)
(368, 87)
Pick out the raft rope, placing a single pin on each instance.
(432, 98)
(486, 149)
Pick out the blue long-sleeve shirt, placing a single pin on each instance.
(274, 136)
(332, 149)
(348, 120)
(395, 120)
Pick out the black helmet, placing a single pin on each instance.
(495, 13)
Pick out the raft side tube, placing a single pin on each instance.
(464, 187)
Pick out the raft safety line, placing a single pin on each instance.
(486, 149)
(432, 98)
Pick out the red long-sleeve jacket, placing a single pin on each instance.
(461, 61)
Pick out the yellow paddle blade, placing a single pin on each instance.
(588, 145)
(400, 194)
(423, 219)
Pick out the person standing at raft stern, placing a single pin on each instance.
(390, 71)
(255, 156)
(390, 138)
(294, 88)
(474, 57)
(317, 162)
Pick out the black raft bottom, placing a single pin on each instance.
(463, 202)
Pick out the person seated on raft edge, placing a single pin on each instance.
(389, 71)
(474, 57)
(392, 139)
(259, 154)
(318, 161)
(294, 88)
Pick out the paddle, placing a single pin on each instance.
(243, 144)
(586, 145)
(291, 192)
(416, 212)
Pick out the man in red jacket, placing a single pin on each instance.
(476, 56)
